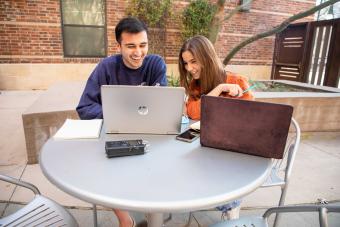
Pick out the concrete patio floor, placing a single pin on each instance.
(316, 175)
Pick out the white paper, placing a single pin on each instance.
(196, 126)
(79, 129)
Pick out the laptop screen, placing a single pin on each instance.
(250, 127)
(142, 109)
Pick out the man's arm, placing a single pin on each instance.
(90, 104)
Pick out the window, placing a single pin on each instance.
(84, 28)
(246, 4)
(330, 12)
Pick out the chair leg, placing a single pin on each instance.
(281, 203)
(94, 215)
(283, 196)
(323, 217)
(169, 218)
(190, 219)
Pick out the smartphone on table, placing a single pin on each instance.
(188, 135)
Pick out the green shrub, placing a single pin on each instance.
(197, 18)
(153, 12)
(173, 81)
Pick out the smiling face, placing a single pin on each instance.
(134, 48)
(191, 65)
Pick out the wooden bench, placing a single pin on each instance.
(47, 114)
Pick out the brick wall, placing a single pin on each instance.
(30, 31)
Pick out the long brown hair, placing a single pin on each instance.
(212, 71)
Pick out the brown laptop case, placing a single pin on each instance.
(251, 127)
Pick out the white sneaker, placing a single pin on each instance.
(233, 213)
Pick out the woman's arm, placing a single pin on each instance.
(234, 86)
(193, 108)
(232, 90)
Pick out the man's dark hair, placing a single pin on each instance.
(129, 25)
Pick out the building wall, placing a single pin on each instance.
(31, 53)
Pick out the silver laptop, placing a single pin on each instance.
(142, 109)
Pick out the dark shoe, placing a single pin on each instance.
(142, 223)
(139, 219)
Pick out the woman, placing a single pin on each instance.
(202, 73)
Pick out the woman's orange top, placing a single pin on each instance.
(193, 106)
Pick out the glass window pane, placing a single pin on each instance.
(85, 12)
(328, 13)
(84, 41)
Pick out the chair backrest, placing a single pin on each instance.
(322, 209)
(285, 165)
(41, 211)
(27, 185)
(292, 148)
(258, 221)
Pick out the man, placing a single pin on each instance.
(131, 67)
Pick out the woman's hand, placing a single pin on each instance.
(232, 89)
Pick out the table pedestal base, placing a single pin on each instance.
(155, 219)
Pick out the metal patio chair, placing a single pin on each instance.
(262, 221)
(281, 168)
(41, 211)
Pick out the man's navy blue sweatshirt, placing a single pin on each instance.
(112, 71)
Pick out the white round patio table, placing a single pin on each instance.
(173, 176)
